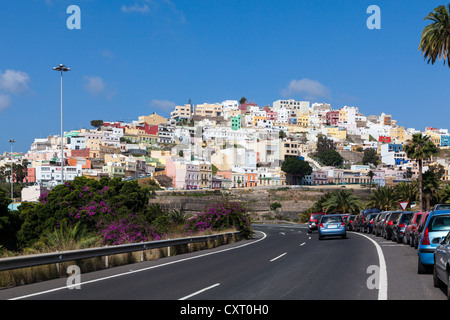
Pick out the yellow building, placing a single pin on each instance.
(152, 120)
(182, 112)
(342, 116)
(337, 133)
(208, 110)
(303, 121)
(398, 133)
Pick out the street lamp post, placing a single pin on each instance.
(62, 68)
(12, 171)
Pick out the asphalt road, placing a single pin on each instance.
(281, 263)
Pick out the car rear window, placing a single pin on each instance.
(439, 223)
(405, 218)
(316, 216)
(394, 215)
(335, 219)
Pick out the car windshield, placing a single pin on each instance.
(335, 219)
(439, 223)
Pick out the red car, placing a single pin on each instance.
(411, 227)
(313, 223)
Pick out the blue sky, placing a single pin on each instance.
(136, 57)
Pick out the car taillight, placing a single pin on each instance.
(342, 224)
(426, 239)
(371, 221)
(401, 225)
(390, 223)
(351, 221)
(321, 225)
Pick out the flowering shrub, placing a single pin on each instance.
(220, 216)
(116, 210)
(126, 230)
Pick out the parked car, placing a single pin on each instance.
(389, 228)
(436, 229)
(313, 223)
(349, 223)
(383, 224)
(331, 226)
(378, 223)
(362, 217)
(411, 227)
(441, 270)
(368, 223)
(419, 229)
(398, 229)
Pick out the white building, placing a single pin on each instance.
(301, 106)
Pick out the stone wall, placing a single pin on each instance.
(294, 201)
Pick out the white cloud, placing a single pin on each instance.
(5, 102)
(135, 8)
(308, 89)
(163, 105)
(94, 85)
(13, 81)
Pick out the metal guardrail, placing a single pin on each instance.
(65, 256)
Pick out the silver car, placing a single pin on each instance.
(441, 270)
(332, 226)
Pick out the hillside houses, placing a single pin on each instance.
(230, 145)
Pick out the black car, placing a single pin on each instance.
(398, 230)
(378, 224)
(389, 226)
(367, 225)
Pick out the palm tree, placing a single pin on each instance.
(419, 149)
(382, 198)
(343, 201)
(370, 174)
(405, 191)
(435, 40)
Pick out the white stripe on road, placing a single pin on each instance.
(278, 257)
(383, 282)
(200, 291)
(140, 270)
(301, 245)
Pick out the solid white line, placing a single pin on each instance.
(140, 270)
(200, 291)
(278, 257)
(302, 244)
(383, 281)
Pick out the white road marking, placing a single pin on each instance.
(383, 281)
(301, 245)
(278, 257)
(200, 291)
(140, 270)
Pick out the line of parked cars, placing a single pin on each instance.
(428, 232)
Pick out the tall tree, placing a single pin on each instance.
(420, 148)
(296, 169)
(435, 40)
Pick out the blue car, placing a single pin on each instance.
(435, 230)
(332, 226)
